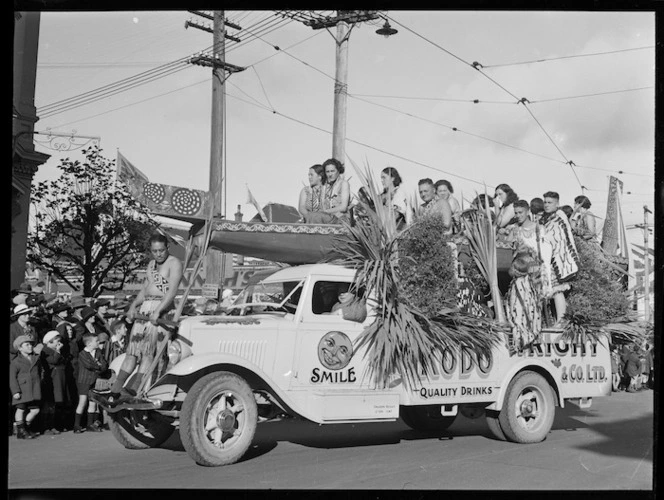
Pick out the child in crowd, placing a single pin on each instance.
(54, 389)
(25, 385)
(91, 363)
(117, 345)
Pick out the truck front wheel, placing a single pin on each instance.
(218, 419)
(139, 430)
(426, 418)
(529, 408)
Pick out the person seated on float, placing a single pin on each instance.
(536, 209)
(395, 196)
(433, 205)
(349, 306)
(568, 211)
(478, 205)
(583, 220)
(504, 199)
(311, 197)
(336, 196)
(444, 190)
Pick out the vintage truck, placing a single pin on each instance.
(281, 352)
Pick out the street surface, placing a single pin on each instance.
(608, 446)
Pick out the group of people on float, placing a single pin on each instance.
(58, 350)
(540, 232)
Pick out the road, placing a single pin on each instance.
(608, 446)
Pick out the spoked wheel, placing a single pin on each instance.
(425, 418)
(528, 410)
(218, 419)
(138, 429)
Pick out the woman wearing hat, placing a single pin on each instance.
(20, 326)
(25, 385)
(87, 323)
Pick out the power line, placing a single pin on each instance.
(568, 57)
(274, 111)
(591, 95)
(185, 87)
(442, 99)
(267, 26)
(356, 96)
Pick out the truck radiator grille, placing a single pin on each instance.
(251, 350)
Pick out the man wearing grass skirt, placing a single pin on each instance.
(155, 300)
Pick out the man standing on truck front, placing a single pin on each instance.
(155, 299)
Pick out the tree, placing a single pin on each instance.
(87, 226)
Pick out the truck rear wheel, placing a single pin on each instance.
(139, 430)
(218, 419)
(425, 418)
(494, 425)
(529, 408)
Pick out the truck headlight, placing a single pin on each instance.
(174, 353)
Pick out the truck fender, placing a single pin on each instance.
(533, 364)
(228, 362)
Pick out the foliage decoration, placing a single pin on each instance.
(426, 271)
(401, 341)
(87, 227)
(597, 304)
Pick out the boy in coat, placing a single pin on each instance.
(25, 385)
(91, 363)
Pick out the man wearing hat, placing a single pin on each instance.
(20, 325)
(20, 294)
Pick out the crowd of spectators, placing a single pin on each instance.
(60, 349)
(632, 368)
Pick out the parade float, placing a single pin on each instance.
(287, 349)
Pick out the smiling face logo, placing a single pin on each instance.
(335, 350)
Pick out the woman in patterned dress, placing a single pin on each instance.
(583, 220)
(311, 196)
(336, 198)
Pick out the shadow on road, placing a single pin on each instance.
(630, 437)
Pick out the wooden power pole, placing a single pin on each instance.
(646, 266)
(344, 22)
(220, 71)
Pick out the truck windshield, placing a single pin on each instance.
(280, 295)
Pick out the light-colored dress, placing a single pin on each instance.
(523, 311)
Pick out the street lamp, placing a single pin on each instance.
(387, 30)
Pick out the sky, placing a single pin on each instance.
(424, 74)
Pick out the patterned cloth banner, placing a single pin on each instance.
(168, 201)
(614, 235)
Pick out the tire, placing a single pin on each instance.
(528, 410)
(139, 430)
(425, 418)
(202, 422)
(494, 425)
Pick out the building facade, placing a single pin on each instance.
(25, 160)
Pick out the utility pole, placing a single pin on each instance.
(214, 264)
(646, 265)
(344, 21)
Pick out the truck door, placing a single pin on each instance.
(325, 354)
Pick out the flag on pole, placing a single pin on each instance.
(614, 234)
(252, 200)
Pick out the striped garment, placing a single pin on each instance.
(564, 256)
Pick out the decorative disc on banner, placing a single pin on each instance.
(186, 201)
(154, 192)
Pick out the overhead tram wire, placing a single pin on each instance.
(591, 95)
(441, 99)
(182, 88)
(478, 67)
(456, 129)
(137, 80)
(567, 57)
(276, 112)
(177, 62)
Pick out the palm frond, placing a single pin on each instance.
(402, 341)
